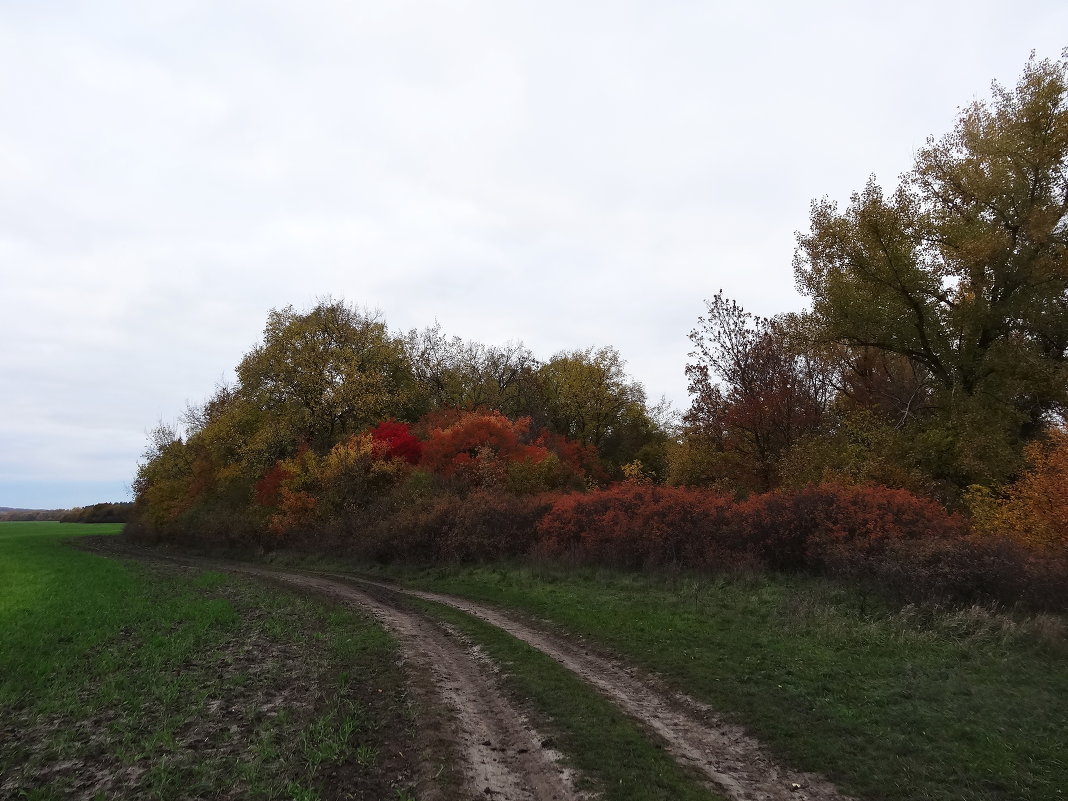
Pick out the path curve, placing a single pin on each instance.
(690, 730)
(739, 765)
(502, 756)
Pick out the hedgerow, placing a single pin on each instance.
(468, 486)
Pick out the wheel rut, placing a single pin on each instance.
(737, 764)
(503, 757)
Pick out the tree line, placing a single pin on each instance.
(934, 349)
(928, 373)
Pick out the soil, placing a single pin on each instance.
(260, 689)
(501, 755)
(736, 763)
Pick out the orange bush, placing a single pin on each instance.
(294, 511)
(1035, 510)
(474, 440)
(487, 449)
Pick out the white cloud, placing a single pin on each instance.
(563, 173)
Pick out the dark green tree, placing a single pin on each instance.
(962, 271)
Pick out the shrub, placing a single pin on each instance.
(487, 525)
(475, 526)
(635, 525)
(815, 528)
(967, 570)
(487, 449)
(464, 448)
(357, 471)
(398, 441)
(1034, 509)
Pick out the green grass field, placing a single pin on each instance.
(891, 703)
(123, 681)
(119, 680)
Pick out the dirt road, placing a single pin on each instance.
(501, 754)
(736, 763)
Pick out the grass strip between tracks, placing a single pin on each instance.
(120, 680)
(608, 748)
(893, 704)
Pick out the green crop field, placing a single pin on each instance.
(123, 681)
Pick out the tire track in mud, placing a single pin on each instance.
(502, 756)
(732, 760)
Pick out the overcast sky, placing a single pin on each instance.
(562, 173)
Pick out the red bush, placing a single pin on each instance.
(269, 487)
(816, 527)
(398, 441)
(473, 445)
(636, 525)
(484, 448)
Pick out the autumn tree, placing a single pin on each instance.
(754, 393)
(453, 373)
(875, 403)
(961, 272)
(1034, 508)
(164, 476)
(328, 372)
(587, 396)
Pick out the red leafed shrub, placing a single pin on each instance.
(484, 448)
(634, 525)
(474, 441)
(816, 527)
(398, 440)
(268, 487)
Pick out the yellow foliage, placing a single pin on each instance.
(295, 508)
(635, 473)
(1034, 509)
